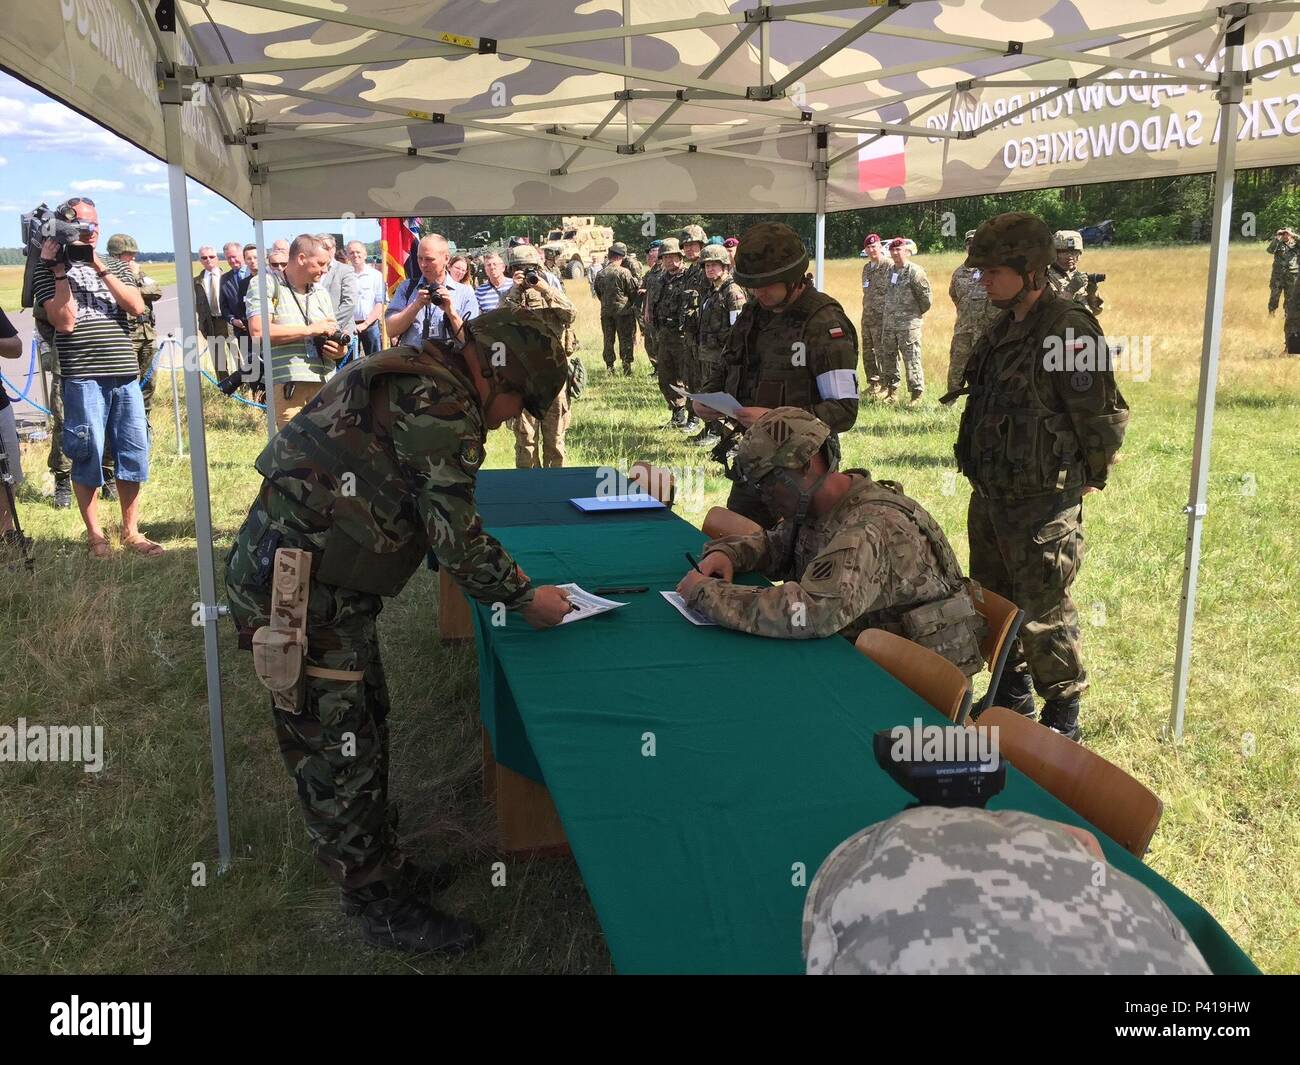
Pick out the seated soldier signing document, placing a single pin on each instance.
(854, 553)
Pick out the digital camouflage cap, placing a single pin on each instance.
(1017, 240)
(782, 439)
(523, 346)
(1068, 240)
(122, 242)
(770, 252)
(716, 253)
(692, 233)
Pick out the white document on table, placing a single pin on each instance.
(722, 402)
(693, 616)
(585, 605)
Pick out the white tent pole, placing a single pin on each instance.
(176, 390)
(1229, 95)
(820, 170)
(173, 95)
(259, 237)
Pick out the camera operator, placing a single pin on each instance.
(305, 338)
(431, 306)
(92, 307)
(11, 347)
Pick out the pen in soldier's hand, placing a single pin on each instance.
(694, 565)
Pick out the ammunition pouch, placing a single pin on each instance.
(950, 627)
(279, 647)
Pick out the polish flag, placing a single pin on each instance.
(882, 164)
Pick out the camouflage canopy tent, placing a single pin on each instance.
(302, 108)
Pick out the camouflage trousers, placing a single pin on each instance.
(1291, 326)
(336, 748)
(870, 336)
(1279, 290)
(146, 347)
(963, 344)
(1030, 551)
(671, 367)
(651, 336)
(622, 326)
(551, 430)
(900, 338)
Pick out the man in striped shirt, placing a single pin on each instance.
(90, 305)
(497, 285)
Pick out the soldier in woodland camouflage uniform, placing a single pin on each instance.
(873, 306)
(1286, 268)
(647, 294)
(1042, 424)
(907, 299)
(616, 289)
(854, 553)
(375, 472)
(539, 442)
(974, 314)
(718, 313)
(1064, 274)
(695, 286)
(667, 319)
(792, 346)
(1000, 892)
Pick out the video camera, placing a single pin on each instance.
(42, 224)
(969, 782)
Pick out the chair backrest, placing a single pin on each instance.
(655, 481)
(720, 521)
(1095, 789)
(930, 675)
(999, 616)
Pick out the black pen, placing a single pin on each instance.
(694, 565)
(621, 591)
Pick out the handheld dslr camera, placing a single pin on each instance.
(338, 337)
(956, 782)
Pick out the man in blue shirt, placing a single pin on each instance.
(431, 306)
(497, 284)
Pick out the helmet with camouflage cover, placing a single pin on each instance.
(692, 233)
(530, 358)
(785, 438)
(669, 246)
(618, 248)
(122, 242)
(1017, 240)
(770, 252)
(1067, 240)
(716, 253)
(523, 255)
(970, 235)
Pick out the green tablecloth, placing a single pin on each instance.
(762, 757)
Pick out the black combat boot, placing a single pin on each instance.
(1015, 693)
(419, 881)
(1062, 715)
(406, 923)
(679, 418)
(62, 491)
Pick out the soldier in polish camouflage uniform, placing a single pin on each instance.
(1042, 424)
(974, 314)
(792, 346)
(1064, 274)
(647, 294)
(667, 319)
(854, 553)
(616, 289)
(873, 307)
(1286, 268)
(695, 286)
(718, 313)
(375, 472)
(1000, 892)
(907, 299)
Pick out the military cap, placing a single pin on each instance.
(730, 242)
(897, 242)
(965, 890)
(618, 248)
(871, 239)
(1016, 239)
(692, 233)
(785, 438)
(535, 363)
(970, 235)
(653, 244)
(1067, 240)
(120, 242)
(523, 255)
(669, 246)
(768, 253)
(716, 240)
(715, 253)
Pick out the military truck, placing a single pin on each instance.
(577, 244)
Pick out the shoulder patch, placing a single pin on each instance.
(471, 453)
(835, 332)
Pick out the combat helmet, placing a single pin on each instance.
(782, 439)
(970, 235)
(534, 361)
(618, 248)
(770, 252)
(120, 242)
(669, 246)
(523, 255)
(692, 233)
(1068, 240)
(1017, 240)
(716, 253)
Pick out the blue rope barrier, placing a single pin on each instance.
(31, 373)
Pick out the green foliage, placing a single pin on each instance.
(1283, 210)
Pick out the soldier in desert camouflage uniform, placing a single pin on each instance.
(370, 476)
(1064, 274)
(616, 289)
(873, 306)
(1042, 424)
(907, 299)
(974, 315)
(854, 553)
(999, 892)
(1286, 268)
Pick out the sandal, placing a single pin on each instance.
(99, 547)
(142, 545)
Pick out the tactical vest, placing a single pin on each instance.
(1010, 444)
(760, 370)
(715, 317)
(667, 304)
(336, 461)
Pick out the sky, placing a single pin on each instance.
(48, 152)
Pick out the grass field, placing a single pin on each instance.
(11, 280)
(96, 869)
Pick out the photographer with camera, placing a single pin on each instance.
(1065, 277)
(306, 341)
(92, 307)
(431, 306)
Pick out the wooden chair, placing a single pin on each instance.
(720, 521)
(1095, 789)
(930, 675)
(1002, 620)
(653, 480)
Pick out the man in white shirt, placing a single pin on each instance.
(372, 297)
